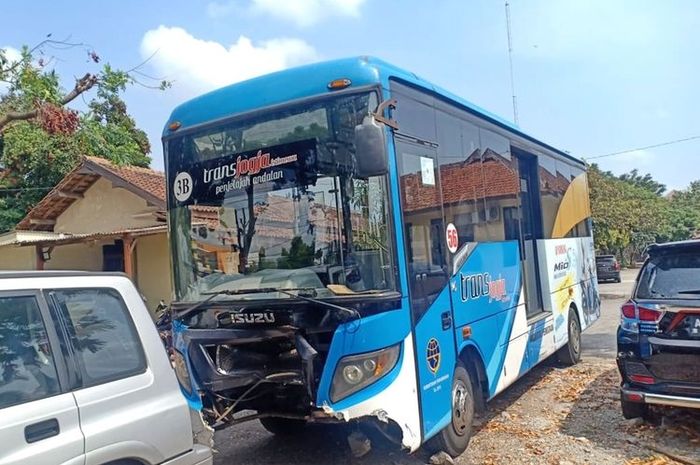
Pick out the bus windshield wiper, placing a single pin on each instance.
(264, 290)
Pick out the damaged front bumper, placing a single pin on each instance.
(289, 373)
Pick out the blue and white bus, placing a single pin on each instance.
(352, 243)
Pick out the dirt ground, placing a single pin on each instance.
(572, 416)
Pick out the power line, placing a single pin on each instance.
(661, 144)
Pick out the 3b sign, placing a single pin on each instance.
(452, 238)
(182, 187)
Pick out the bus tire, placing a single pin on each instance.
(570, 354)
(283, 426)
(454, 438)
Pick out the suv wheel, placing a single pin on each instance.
(632, 410)
(570, 354)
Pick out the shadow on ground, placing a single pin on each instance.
(596, 416)
(251, 444)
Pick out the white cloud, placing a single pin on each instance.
(302, 12)
(11, 55)
(198, 65)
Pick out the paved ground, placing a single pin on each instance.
(619, 290)
(554, 415)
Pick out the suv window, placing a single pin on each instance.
(674, 276)
(605, 260)
(103, 337)
(27, 369)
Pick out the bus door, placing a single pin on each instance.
(426, 259)
(530, 230)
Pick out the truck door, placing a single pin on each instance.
(38, 416)
(426, 258)
(127, 392)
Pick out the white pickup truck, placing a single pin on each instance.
(85, 379)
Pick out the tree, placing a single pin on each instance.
(299, 255)
(629, 213)
(645, 182)
(684, 208)
(626, 216)
(42, 138)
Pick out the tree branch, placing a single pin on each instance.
(82, 85)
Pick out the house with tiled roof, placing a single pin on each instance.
(100, 217)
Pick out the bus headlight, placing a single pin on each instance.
(183, 376)
(358, 371)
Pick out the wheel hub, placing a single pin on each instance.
(461, 408)
(574, 336)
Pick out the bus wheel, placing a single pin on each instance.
(283, 426)
(454, 438)
(570, 354)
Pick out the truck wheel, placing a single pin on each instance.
(632, 410)
(454, 438)
(283, 426)
(570, 354)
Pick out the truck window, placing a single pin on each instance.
(104, 338)
(27, 369)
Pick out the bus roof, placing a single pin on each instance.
(312, 80)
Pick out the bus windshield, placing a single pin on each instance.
(277, 201)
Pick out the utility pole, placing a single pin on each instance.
(510, 61)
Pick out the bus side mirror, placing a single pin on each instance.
(370, 149)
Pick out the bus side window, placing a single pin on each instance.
(461, 175)
(501, 189)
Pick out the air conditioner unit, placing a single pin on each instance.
(493, 214)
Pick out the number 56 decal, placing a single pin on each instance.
(452, 238)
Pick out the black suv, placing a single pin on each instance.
(658, 340)
(607, 268)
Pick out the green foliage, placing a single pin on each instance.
(684, 212)
(629, 213)
(299, 255)
(48, 139)
(645, 182)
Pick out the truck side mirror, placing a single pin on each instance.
(370, 149)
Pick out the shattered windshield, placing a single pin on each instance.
(278, 201)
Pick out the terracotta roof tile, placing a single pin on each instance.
(145, 182)
(145, 178)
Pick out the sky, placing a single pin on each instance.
(591, 77)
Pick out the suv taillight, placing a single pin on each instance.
(629, 309)
(649, 314)
(617, 266)
(638, 318)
